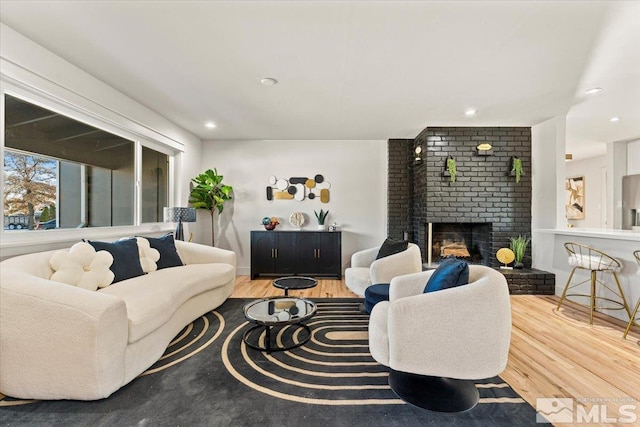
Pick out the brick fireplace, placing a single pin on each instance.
(484, 191)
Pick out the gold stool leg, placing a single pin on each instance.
(632, 320)
(593, 295)
(566, 288)
(624, 300)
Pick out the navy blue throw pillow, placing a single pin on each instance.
(390, 247)
(168, 253)
(126, 259)
(450, 273)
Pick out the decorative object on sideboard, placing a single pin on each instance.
(321, 217)
(333, 227)
(297, 220)
(574, 187)
(270, 222)
(519, 246)
(208, 192)
(451, 169)
(298, 188)
(506, 257)
(516, 168)
(179, 215)
(484, 149)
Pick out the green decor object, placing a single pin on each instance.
(321, 216)
(516, 167)
(519, 246)
(451, 168)
(208, 192)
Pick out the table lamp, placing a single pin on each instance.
(179, 215)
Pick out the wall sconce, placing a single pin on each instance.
(568, 157)
(179, 215)
(484, 149)
(417, 158)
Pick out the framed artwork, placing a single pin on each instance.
(574, 188)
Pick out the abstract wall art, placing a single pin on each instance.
(298, 188)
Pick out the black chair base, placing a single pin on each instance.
(434, 393)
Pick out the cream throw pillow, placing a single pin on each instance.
(148, 256)
(83, 267)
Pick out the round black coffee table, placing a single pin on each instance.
(271, 312)
(294, 282)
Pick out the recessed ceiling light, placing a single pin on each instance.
(614, 119)
(470, 113)
(593, 90)
(210, 125)
(269, 81)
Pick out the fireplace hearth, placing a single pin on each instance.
(468, 241)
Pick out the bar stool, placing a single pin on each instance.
(632, 318)
(587, 258)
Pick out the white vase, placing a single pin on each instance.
(322, 227)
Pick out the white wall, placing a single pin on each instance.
(357, 171)
(633, 157)
(547, 175)
(30, 67)
(593, 170)
(547, 143)
(616, 169)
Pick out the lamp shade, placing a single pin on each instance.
(179, 214)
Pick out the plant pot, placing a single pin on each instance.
(518, 265)
(322, 227)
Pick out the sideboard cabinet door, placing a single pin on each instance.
(272, 253)
(319, 254)
(329, 261)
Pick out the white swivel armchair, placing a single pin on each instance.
(437, 343)
(366, 269)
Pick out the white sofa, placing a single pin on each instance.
(62, 342)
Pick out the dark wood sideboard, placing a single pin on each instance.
(296, 253)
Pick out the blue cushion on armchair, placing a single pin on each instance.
(450, 273)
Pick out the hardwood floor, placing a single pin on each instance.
(553, 354)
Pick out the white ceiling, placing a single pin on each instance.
(356, 69)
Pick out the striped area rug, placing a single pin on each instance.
(208, 376)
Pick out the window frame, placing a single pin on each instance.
(92, 117)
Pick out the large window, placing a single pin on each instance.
(63, 173)
(155, 181)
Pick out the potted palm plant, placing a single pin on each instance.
(519, 246)
(208, 192)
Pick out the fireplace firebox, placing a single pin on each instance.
(468, 241)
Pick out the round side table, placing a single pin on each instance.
(294, 282)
